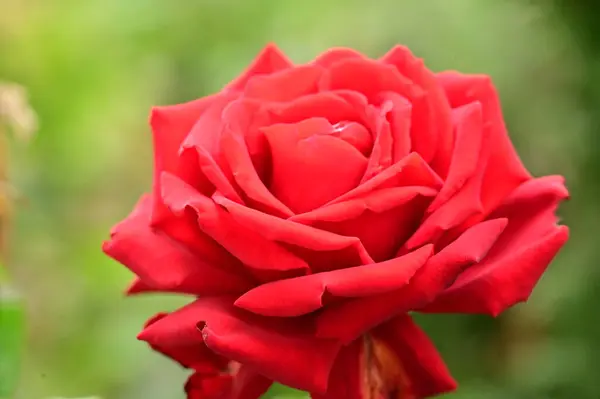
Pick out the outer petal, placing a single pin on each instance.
(244, 383)
(163, 264)
(396, 360)
(468, 125)
(347, 379)
(204, 164)
(283, 350)
(349, 320)
(334, 55)
(306, 160)
(421, 372)
(333, 106)
(189, 351)
(504, 170)
(253, 250)
(302, 295)
(369, 78)
(517, 261)
(464, 207)
(170, 125)
(431, 134)
(268, 61)
(285, 85)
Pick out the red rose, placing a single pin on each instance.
(309, 208)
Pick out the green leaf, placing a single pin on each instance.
(278, 391)
(11, 335)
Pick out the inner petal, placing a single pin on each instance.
(306, 158)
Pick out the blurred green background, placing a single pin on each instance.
(94, 68)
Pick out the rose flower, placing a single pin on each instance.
(308, 209)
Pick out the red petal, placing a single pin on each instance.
(244, 384)
(334, 55)
(350, 319)
(253, 250)
(396, 360)
(335, 107)
(137, 286)
(268, 61)
(398, 110)
(369, 78)
(283, 350)
(381, 212)
(201, 155)
(285, 85)
(463, 209)
(240, 121)
(468, 125)
(306, 172)
(382, 152)
(188, 349)
(382, 220)
(163, 264)
(286, 231)
(302, 295)
(347, 376)
(412, 170)
(170, 125)
(424, 372)
(504, 170)
(517, 261)
(431, 132)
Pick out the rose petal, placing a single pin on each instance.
(382, 220)
(431, 131)
(202, 156)
(254, 341)
(423, 372)
(398, 111)
(350, 319)
(517, 261)
(306, 172)
(244, 384)
(188, 350)
(347, 379)
(268, 61)
(504, 170)
(286, 231)
(381, 154)
(368, 77)
(468, 125)
(333, 106)
(285, 85)
(396, 360)
(461, 211)
(412, 170)
(163, 264)
(378, 201)
(302, 295)
(240, 148)
(253, 250)
(334, 55)
(170, 125)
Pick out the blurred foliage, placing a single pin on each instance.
(94, 68)
(11, 334)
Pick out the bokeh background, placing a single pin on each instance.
(94, 68)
